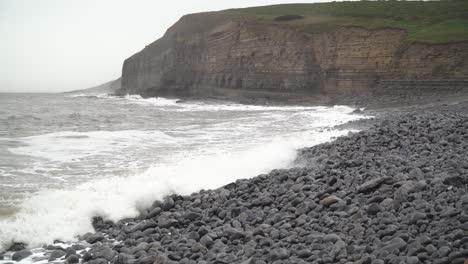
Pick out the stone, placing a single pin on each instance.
(154, 212)
(192, 216)
(394, 244)
(56, 254)
(104, 252)
(304, 253)
(278, 254)
(331, 238)
(72, 259)
(93, 238)
(21, 254)
(412, 260)
(234, 233)
(415, 217)
(329, 200)
(207, 241)
(197, 247)
(373, 209)
(167, 204)
(373, 184)
(17, 247)
(142, 226)
(164, 222)
(98, 261)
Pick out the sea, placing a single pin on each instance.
(65, 158)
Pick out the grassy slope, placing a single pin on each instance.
(433, 22)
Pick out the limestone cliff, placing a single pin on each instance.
(215, 54)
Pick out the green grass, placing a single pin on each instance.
(425, 21)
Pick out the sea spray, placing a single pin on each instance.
(124, 153)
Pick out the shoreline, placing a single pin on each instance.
(357, 200)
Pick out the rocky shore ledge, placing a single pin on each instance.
(394, 193)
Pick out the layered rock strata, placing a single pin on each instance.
(209, 54)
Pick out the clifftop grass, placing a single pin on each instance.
(424, 21)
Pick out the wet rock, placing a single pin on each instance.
(93, 238)
(168, 204)
(104, 252)
(98, 261)
(17, 247)
(72, 259)
(142, 226)
(56, 254)
(21, 254)
(154, 212)
(192, 216)
(166, 222)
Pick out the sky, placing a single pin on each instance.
(64, 45)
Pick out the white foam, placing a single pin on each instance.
(68, 146)
(184, 106)
(209, 155)
(156, 101)
(63, 214)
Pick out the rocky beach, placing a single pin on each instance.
(129, 172)
(395, 192)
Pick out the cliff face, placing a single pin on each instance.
(207, 54)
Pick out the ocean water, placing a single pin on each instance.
(65, 158)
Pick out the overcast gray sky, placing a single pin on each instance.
(62, 45)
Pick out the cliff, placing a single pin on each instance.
(305, 51)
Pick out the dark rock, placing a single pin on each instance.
(78, 247)
(154, 212)
(56, 254)
(394, 244)
(72, 259)
(207, 241)
(373, 184)
(415, 217)
(304, 253)
(93, 238)
(234, 233)
(17, 247)
(412, 260)
(278, 254)
(21, 254)
(142, 226)
(192, 216)
(98, 261)
(166, 222)
(373, 209)
(168, 204)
